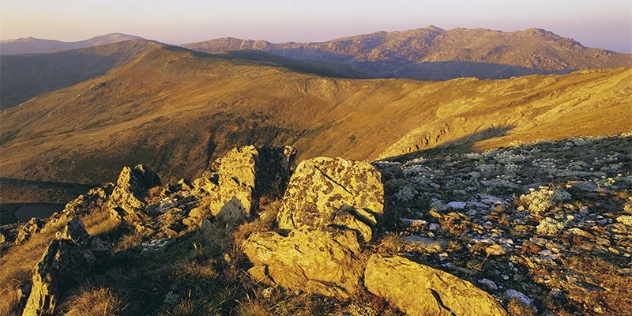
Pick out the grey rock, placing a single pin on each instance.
(66, 261)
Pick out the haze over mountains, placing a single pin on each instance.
(176, 109)
(32, 45)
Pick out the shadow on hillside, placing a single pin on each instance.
(401, 68)
(464, 144)
(25, 76)
(323, 68)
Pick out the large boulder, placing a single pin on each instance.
(68, 260)
(233, 184)
(132, 187)
(421, 290)
(236, 176)
(315, 261)
(333, 191)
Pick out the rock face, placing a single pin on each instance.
(333, 191)
(234, 182)
(318, 261)
(85, 203)
(33, 226)
(330, 205)
(236, 176)
(68, 260)
(132, 187)
(421, 290)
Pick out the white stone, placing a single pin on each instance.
(489, 284)
(457, 205)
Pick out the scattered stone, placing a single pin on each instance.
(421, 290)
(426, 244)
(625, 219)
(489, 284)
(457, 205)
(495, 250)
(87, 203)
(236, 181)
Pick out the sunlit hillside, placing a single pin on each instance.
(176, 110)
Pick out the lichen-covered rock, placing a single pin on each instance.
(421, 290)
(234, 183)
(236, 173)
(333, 191)
(86, 203)
(132, 187)
(67, 260)
(33, 226)
(315, 261)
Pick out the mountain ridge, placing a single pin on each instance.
(413, 53)
(31, 45)
(173, 105)
(25, 76)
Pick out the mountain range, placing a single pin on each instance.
(432, 53)
(88, 112)
(32, 45)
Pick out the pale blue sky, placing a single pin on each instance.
(594, 23)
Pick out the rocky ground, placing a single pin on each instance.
(548, 223)
(543, 229)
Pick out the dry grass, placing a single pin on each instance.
(93, 302)
(16, 265)
(516, 307)
(267, 105)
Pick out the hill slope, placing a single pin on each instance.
(32, 45)
(437, 54)
(176, 110)
(25, 76)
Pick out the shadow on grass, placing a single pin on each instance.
(462, 145)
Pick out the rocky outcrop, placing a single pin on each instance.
(234, 183)
(25, 232)
(333, 192)
(329, 207)
(322, 262)
(132, 187)
(86, 203)
(421, 290)
(68, 260)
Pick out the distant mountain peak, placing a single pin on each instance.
(436, 54)
(32, 45)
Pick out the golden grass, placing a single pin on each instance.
(94, 302)
(267, 105)
(17, 264)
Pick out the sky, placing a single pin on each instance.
(594, 23)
